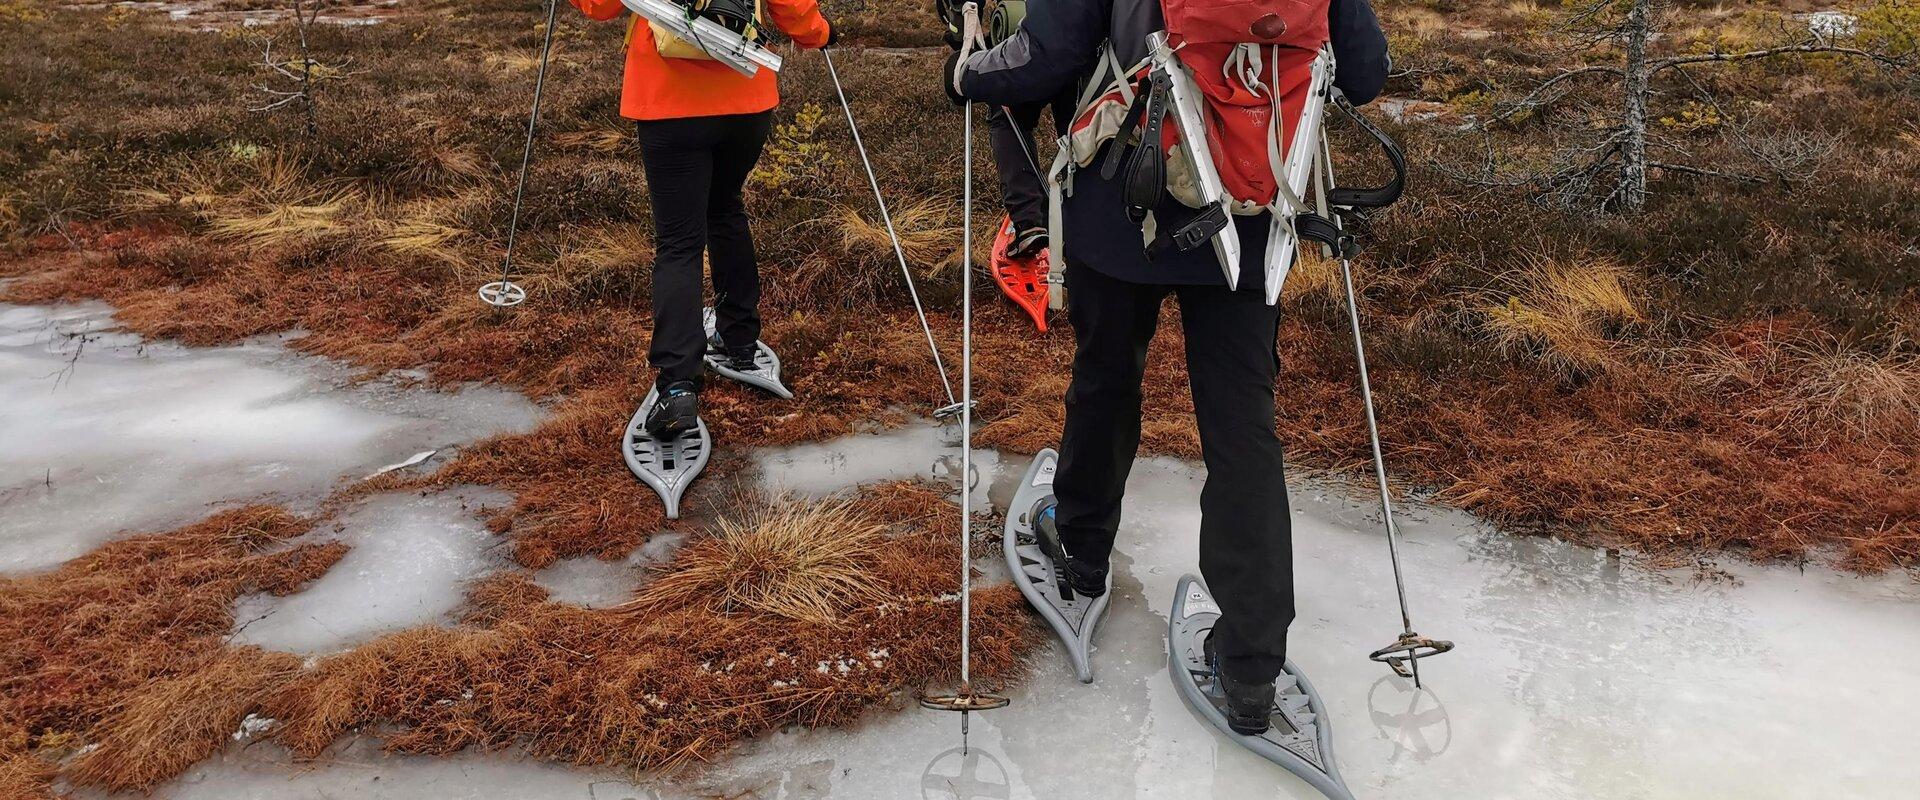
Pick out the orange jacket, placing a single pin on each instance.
(668, 88)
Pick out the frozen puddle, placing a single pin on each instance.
(593, 583)
(411, 560)
(1576, 677)
(105, 434)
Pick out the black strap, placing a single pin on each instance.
(1147, 167)
(1123, 139)
(1315, 228)
(1376, 196)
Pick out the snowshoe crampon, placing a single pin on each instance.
(1023, 280)
(1298, 737)
(765, 374)
(667, 465)
(1072, 616)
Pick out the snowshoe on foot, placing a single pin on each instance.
(755, 366)
(1021, 270)
(1074, 577)
(668, 464)
(1071, 605)
(675, 411)
(1296, 734)
(1246, 705)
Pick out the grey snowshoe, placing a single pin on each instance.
(1072, 613)
(1296, 735)
(666, 463)
(758, 367)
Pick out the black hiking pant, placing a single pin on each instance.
(696, 167)
(1016, 157)
(1246, 538)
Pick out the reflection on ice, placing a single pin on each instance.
(105, 434)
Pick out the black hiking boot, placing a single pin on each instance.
(1078, 578)
(739, 358)
(1026, 243)
(1249, 706)
(675, 412)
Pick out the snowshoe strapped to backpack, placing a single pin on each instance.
(739, 16)
(1222, 113)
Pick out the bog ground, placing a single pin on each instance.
(1580, 674)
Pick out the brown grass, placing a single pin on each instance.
(807, 562)
(124, 649)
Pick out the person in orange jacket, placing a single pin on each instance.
(701, 129)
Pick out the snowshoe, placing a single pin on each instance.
(668, 464)
(1298, 736)
(761, 370)
(1022, 278)
(1041, 576)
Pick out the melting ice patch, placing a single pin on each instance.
(411, 560)
(105, 434)
(594, 583)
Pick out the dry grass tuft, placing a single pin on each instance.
(1834, 389)
(280, 205)
(926, 228)
(1564, 315)
(804, 561)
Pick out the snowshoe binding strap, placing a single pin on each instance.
(762, 374)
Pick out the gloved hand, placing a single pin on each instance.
(950, 78)
(833, 35)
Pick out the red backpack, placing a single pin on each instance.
(1257, 65)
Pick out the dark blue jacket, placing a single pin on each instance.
(1054, 52)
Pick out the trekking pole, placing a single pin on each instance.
(504, 292)
(1404, 654)
(898, 253)
(966, 700)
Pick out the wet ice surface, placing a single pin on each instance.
(411, 561)
(1577, 677)
(593, 583)
(105, 434)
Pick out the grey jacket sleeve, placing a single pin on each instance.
(1055, 45)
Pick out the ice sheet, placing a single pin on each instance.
(411, 561)
(105, 434)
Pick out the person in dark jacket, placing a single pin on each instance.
(1113, 300)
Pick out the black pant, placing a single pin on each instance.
(1016, 158)
(1246, 540)
(696, 167)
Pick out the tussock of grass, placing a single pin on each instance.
(1563, 313)
(926, 230)
(807, 562)
(1837, 390)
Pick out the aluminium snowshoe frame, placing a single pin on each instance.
(765, 374)
(667, 465)
(1074, 618)
(1299, 738)
(728, 47)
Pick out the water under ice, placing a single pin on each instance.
(1577, 676)
(105, 434)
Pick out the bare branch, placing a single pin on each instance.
(1663, 64)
